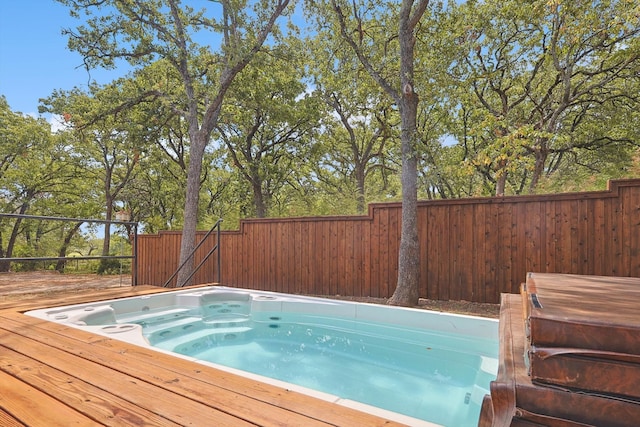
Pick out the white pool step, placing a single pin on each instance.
(155, 316)
(179, 324)
(181, 341)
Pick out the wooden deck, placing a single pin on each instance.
(54, 375)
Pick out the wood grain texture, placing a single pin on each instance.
(54, 375)
(470, 249)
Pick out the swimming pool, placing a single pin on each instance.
(414, 366)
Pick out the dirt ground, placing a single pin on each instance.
(460, 307)
(16, 286)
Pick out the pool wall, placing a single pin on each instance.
(104, 312)
(115, 319)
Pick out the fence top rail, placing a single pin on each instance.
(612, 191)
(60, 218)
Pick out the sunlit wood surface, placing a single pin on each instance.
(54, 375)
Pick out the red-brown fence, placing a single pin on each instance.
(470, 249)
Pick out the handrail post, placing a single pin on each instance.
(134, 267)
(218, 245)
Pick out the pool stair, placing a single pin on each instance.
(197, 319)
(187, 335)
(150, 317)
(569, 354)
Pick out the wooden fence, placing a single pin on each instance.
(470, 249)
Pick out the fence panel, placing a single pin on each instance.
(470, 249)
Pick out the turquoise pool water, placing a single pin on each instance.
(424, 365)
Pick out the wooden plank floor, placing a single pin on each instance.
(54, 375)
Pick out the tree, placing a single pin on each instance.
(109, 144)
(268, 123)
(362, 26)
(357, 147)
(540, 78)
(155, 195)
(38, 174)
(67, 238)
(439, 161)
(141, 31)
(20, 137)
(357, 137)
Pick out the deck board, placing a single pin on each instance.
(7, 420)
(51, 373)
(144, 381)
(34, 407)
(77, 393)
(56, 375)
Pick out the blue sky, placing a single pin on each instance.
(34, 59)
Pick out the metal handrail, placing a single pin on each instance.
(187, 259)
(133, 257)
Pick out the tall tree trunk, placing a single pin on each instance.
(5, 266)
(501, 183)
(258, 199)
(199, 133)
(407, 291)
(106, 243)
(192, 200)
(360, 187)
(538, 170)
(61, 264)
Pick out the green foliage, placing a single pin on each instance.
(514, 98)
(112, 266)
(267, 127)
(536, 83)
